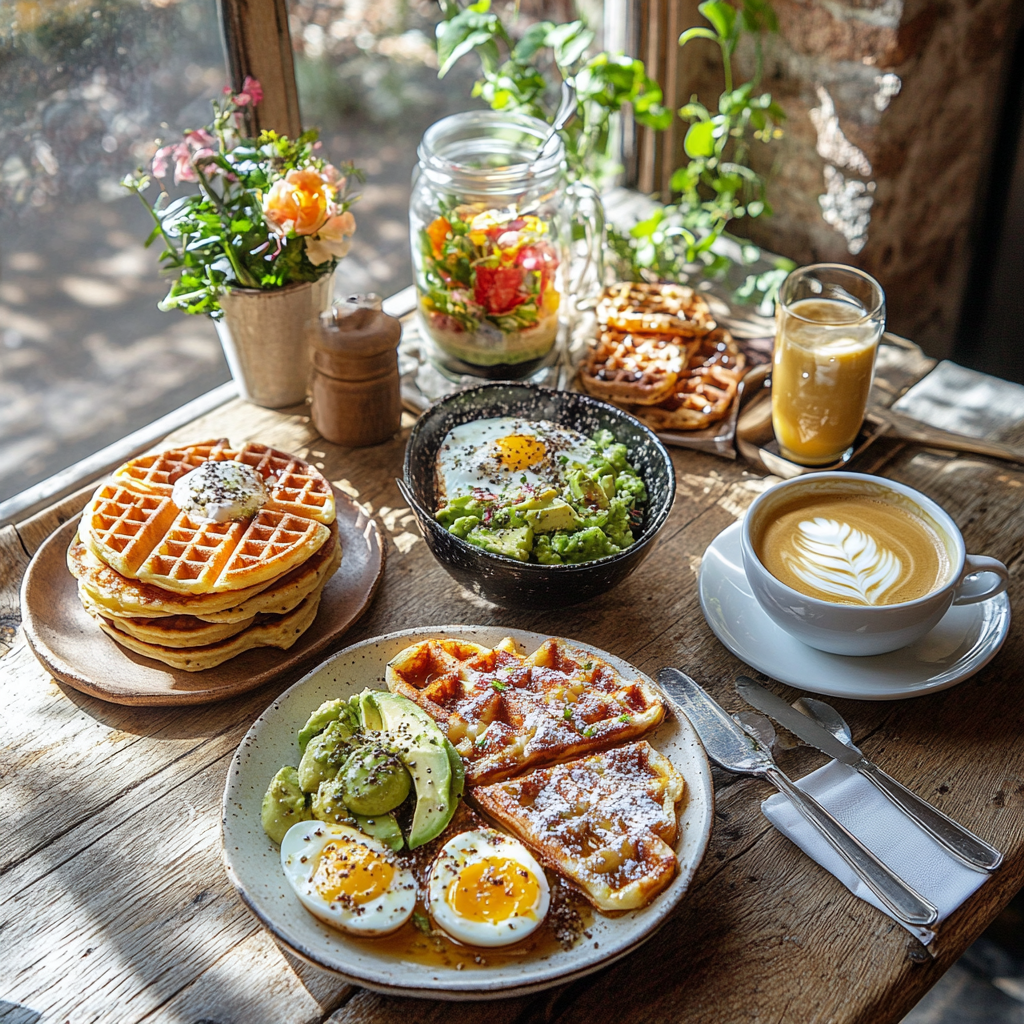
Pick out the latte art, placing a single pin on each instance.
(840, 560)
(852, 549)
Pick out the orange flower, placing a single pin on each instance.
(296, 204)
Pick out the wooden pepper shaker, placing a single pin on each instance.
(356, 395)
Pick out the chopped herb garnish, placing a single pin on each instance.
(567, 714)
(563, 459)
(623, 718)
(588, 732)
(422, 922)
(499, 686)
(588, 666)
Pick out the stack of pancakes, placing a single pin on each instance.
(193, 593)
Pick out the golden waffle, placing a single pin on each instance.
(607, 822)
(132, 525)
(636, 369)
(198, 558)
(294, 485)
(704, 392)
(505, 713)
(667, 309)
(122, 527)
(117, 596)
(267, 631)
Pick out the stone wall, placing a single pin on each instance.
(893, 106)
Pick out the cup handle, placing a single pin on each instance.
(587, 210)
(972, 588)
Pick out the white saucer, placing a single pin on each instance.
(966, 639)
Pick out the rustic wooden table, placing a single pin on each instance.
(114, 905)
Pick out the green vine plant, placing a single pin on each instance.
(523, 75)
(716, 187)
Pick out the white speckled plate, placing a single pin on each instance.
(254, 867)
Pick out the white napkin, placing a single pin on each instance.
(885, 830)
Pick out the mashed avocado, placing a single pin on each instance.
(591, 515)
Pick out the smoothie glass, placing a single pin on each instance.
(829, 320)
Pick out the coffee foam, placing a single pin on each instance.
(852, 548)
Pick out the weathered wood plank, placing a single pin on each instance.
(13, 563)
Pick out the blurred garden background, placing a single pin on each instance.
(86, 89)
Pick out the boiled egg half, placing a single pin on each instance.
(507, 452)
(347, 879)
(486, 889)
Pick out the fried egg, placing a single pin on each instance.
(486, 889)
(347, 879)
(506, 452)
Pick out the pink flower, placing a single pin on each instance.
(199, 137)
(333, 177)
(252, 92)
(182, 157)
(332, 240)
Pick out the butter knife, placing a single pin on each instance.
(737, 751)
(963, 844)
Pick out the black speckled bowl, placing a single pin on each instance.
(504, 580)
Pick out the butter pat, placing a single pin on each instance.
(220, 491)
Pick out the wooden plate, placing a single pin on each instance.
(73, 649)
(253, 862)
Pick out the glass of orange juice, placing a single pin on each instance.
(829, 319)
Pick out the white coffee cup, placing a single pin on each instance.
(866, 629)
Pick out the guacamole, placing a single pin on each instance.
(590, 513)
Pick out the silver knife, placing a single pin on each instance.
(736, 751)
(951, 835)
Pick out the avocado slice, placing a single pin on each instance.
(383, 827)
(421, 748)
(515, 542)
(556, 515)
(283, 804)
(329, 711)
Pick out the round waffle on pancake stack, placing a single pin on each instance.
(193, 593)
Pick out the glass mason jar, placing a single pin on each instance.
(493, 223)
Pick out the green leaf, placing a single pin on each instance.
(460, 47)
(722, 16)
(700, 139)
(694, 109)
(533, 39)
(574, 49)
(697, 33)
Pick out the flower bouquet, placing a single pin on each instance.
(269, 211)
(256, 246)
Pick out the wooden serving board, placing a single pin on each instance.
(73, 649)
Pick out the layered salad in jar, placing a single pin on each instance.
(487, 289)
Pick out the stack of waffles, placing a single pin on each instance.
(193, 593)
(660, 355)
(552, 751)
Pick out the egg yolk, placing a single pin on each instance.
(519, 451)
(351, 871)
(492, 890)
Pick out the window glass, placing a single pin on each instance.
(85, 355)
(367, 76)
